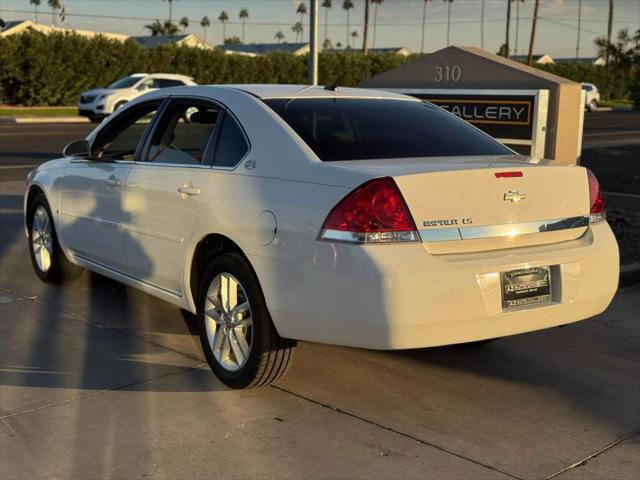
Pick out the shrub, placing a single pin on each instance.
(611, 84)
(37, 69)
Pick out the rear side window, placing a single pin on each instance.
(364, 129)
(232, 144)
(164, 83)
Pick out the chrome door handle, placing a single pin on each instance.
(113, 182)
(188, 190)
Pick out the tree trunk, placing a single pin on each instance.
(532, 41)
(609, 29)
(579, 26)
(348, 17)
(424, 20)
(365, 30)
(449, 23)
(326, 23)
(375, 23)
(515, 50)
(506, 41)
(482, 25)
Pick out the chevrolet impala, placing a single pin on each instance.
(279, 213)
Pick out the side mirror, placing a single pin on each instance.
(79, 148)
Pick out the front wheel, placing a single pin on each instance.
(47, 258)
(593, 106)
(239, 340)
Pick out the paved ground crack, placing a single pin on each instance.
(585, 460)
(397, 432)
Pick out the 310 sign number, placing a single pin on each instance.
(448, 73)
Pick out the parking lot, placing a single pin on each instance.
(100, 380)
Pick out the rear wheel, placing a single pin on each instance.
(47, 258)
(593, 105)
(239, 340)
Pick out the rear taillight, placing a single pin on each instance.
(375, 212)
(597, 213)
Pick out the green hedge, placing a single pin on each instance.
(37, 69)
(611, 84)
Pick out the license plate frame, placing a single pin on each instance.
(525, 288)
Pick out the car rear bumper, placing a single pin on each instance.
(400, 296)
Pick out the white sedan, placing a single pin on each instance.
(343, 216)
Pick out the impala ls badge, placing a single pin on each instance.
(514, 196)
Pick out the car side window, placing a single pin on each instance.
(165, 83)
(232, 144)
(184, 133)
(119, 140)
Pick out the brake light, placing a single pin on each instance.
(375, 212)
(508, 174)
(597, 212)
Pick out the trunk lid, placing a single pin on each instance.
(461, 205)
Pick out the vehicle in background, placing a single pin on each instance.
(101, 102)
(591, 96)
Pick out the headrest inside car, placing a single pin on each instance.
(207, 117)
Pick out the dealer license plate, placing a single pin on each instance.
(526, 287)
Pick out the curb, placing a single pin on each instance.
(26, 119)
(629, 274)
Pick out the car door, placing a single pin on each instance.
(91, 190)
(163, 191)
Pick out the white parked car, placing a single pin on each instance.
(350, 217)
(101, 102)
(591, 96)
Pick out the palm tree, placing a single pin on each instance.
(205, 23)
(326, 4)
(36, 4)
(279, 36)
(518, 2)
(243, 15)
(449, 2)
(326, 45)
(338, 45)
(156, 28)
(170, 28)
(297, 29)
(354, 35)
(224, 18)
(609, 29)
(347, 5)
(375, 19)
(365, 31)
(424, 22)
(506, 42)
(302, 11)
(482, 25)
(170, 9)
(579, 26)
(184, 23)
(55, 5)
(534, 22)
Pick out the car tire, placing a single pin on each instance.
(48, 260)
(593, 106)
(237, 335)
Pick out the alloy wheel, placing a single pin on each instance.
(41, 239)
(228, 322)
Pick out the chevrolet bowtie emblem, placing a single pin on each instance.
(514, 196)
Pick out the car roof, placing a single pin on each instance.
(168, 75)
(306, 91)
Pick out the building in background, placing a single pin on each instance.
(20, 26)
(255, 49)
(186, 40)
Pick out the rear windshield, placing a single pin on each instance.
(364, 129)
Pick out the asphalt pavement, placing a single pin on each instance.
(98, 380)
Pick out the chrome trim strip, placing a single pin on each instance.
(503, 230)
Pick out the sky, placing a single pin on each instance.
(399, 22)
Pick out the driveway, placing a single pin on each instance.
(98, 380)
